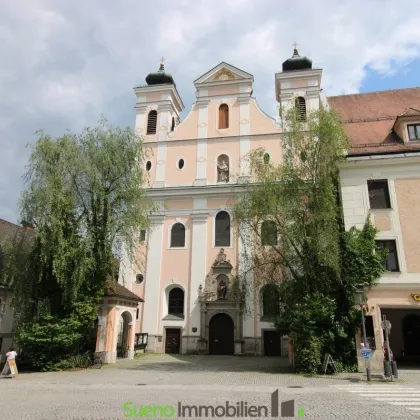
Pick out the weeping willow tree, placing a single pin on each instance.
(84, 199)
(294, 208)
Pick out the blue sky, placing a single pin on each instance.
(64, 63)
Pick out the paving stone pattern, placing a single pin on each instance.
(192, 380)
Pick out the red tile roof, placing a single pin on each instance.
(113, 288)
(370, 117)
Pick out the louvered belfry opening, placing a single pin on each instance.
(152, 122)
(300, 104)
(223, 116)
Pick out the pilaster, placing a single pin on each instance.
(201, 177)
(198, 268)
(152, 280)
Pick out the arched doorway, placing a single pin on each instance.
(411, 331)
(125, 323)
(221, 334)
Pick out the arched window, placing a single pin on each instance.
(173, 124)
(268, 233)
(178, 236)
(223, 168)
(223, 116)
(176, 302)
(300, 105)
(270, 300)
(222, 229)
(152, 122)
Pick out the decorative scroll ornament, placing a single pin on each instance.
(224, 74)
(416, 297)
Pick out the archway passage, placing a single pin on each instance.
(123, 335)
(411, 331)
(221, 335)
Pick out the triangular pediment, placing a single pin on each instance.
(224, 72)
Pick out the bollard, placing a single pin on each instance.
(394, 369)
(387, 368)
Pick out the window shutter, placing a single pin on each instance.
(152, 122)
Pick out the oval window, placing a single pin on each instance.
(148, 165)
(266, 158)
(139, 278)
(181, 163)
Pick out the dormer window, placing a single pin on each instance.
(414, 132)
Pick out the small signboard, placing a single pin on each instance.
(10, 368)
(366, 352)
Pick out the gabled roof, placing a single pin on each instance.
(232, 73)
(369, 119)
(114, 289)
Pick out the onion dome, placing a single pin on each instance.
(160, 77)
(296, 62)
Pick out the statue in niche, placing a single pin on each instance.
(222, 289)
(221, 256)
(222, 170)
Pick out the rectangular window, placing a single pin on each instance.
(142, 235)
(392, 262)
(414, 132)
(379, 194)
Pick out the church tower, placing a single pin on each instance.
(299, 85)
(157, 114)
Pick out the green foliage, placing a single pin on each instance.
(317, 265)
(83, 196)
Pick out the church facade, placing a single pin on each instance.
(193, 302)
(191, 255)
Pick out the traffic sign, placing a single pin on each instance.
(366, 352)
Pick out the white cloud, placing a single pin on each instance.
(64, 63)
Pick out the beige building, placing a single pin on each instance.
(381, 179)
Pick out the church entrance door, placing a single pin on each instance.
(221, 334)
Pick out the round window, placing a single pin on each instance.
(148, 165)
(139, 278)
(266, 158)
(181, 163)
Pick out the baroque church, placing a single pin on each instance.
(192, 255)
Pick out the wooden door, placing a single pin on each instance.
(221, 334)
(173, 340)
(272, 344)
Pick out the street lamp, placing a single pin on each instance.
(361, 300)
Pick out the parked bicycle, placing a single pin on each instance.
(92, 360)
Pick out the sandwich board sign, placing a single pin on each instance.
(10, 368)
(328, 361)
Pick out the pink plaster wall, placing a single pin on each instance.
(408, 197)
(187, 174)
(296, 84)
(188, 128)
(224, 90)
(175, 262)
(271, 144)
(220, 147)
(179, 204)
(150, 154)
(213, 119)
(153, 97)
(260, 123)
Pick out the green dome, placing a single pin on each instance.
(296, 62)
(160, 77)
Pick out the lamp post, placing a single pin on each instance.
(361, 300)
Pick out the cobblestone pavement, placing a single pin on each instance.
(201, 380)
